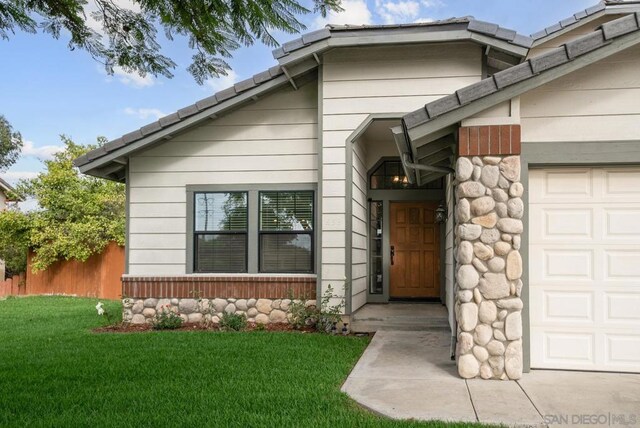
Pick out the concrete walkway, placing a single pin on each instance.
(409, 375)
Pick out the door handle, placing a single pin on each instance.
(393, 253)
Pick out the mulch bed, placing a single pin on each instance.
(139, 328)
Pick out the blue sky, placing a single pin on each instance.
(47, 90)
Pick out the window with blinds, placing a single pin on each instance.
(220, 232)
(286, 232)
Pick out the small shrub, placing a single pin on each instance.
(321, 318)
(233, 322)
(261, 327)
(166, 319)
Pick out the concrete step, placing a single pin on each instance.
(373, 326)
(401, 317)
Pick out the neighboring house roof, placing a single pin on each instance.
(296, 58)
(6, 188)
(583, 16)
(610, 38)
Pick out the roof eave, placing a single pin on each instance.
(93, 167)
(456, 115)
(344, 38)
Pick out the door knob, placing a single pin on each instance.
(393, 253)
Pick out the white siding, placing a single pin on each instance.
(358, 82)
(359, 228)
(273, 140)
(449, 248)
(596, 103)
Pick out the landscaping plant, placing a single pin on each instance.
(167, 318)
(232, 322)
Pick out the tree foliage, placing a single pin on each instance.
(127, 37)
(10, 143)
(77, 216)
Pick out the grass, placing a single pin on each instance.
(55, 372)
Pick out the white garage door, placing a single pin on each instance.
(584, 268)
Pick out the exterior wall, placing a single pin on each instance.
(358, 82)
(359, 230)
(3, 201)
(273, 140)
(489, 227)
(449, 249)
(199, 298)
(596, 103)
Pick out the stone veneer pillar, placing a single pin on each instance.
(488, 215)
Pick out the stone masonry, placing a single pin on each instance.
(260, 311)
(488, 307)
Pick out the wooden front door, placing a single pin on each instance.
(415, 250)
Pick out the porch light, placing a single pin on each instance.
(396, 179)
(441, 214)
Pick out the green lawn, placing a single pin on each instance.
(55, 372)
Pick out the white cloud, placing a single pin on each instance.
(92, 7)
(398, 12)
(12, 177)
(144, 113)
(222, 82)
(133, 79)
(423, 20)
(432, 3)
(356, 12)
(43, 152)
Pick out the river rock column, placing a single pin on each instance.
(488, 229)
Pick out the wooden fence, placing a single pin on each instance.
(100, 277)
(13, 286)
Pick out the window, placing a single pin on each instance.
(390, 175)
(220, 232)
(286, 232)
(375, 247)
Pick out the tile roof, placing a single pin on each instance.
(581, 15)
(469, 23)
(181, 114)
(526, 70)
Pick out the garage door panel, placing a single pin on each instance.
(568, 306)
(569, 348)
(622, 350)
(561, 223)
(621, 223)
(584, 268)
(622, 308)
(622, 265)
(621, 183)
(561, 185)
(567, 264)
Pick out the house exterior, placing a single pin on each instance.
(454, 161)
(5, 197)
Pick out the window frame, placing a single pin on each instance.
(195, 233)
(311, 232)
(253, 223)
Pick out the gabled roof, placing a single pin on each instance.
(348, 32)
(610, 38)
(602, 8)
(6, 188)
(296, 58)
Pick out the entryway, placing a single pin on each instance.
(415, 251)
(400, 316)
